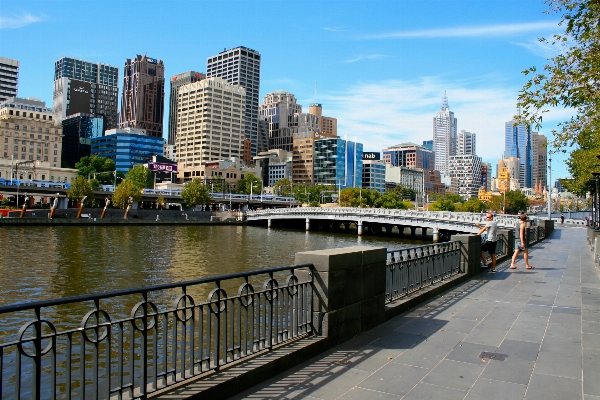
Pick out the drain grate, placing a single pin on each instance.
(493, 356)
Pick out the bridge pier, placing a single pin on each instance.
(436, 235)
(360, 228)
(307, 224)
(413, 231)
(269, 223)
(424, 232)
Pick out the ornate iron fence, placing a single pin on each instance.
(532, 235)
(412, 269)
(127, 345)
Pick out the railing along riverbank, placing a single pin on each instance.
(130, 352)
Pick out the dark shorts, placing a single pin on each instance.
(489, 246)
(518, 245)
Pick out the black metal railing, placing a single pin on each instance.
(129, 343)
(532, 235)
(542, 232)
(412, 269)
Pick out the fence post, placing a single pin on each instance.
(349, 290)
(471, 251)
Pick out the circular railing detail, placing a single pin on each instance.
(217, 301)
(246, 294)
(100, 329)
(151, 317)
(184, 307)
(22, 341)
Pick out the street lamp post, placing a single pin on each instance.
(596, 202)
(549, 188)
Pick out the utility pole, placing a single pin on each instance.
(549, 188)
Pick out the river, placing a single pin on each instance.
(40, 263)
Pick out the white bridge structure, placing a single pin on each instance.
(378, 220)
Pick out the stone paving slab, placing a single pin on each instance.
(546, 321)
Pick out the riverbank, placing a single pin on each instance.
(92, 216)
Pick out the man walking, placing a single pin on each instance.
(491, 227)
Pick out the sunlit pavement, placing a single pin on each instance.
(518, 334)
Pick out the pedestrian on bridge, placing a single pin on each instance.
(489, 246)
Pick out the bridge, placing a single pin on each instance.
(377, 220)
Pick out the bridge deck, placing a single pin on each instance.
(545, 321)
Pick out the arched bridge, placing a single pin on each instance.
(376, 220)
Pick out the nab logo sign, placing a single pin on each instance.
(371, 156)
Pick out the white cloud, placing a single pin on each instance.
(333, 29)
(469, 31)
(542, 49)
(386, 113)
(365, 57)
(19, 21)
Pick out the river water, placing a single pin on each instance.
(40, 263)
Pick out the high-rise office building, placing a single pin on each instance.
(178, 81)
(241, 67)
(517, 142)
(327, 125)
(279, 108)
(373, 175)
(409, 155)
(85, 87)
(199, 140)
(127, 147)
(9, 78)
(78, 131)
(338, 162)
(444, 136)
(539, 144)
(143, 98)
(466, 143)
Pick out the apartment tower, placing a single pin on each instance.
(241, 67)
(9, 78)
(143, 96)
(279, 108)
(178, 81)
(466, 143)
(444, 136)
(85, 87)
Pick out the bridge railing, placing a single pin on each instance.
(412, 269)
(130, 343)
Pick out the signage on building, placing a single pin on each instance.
(80, 97)
(371, 156)
(161, 167)
(151, 60)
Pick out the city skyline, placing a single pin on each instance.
(379, 68)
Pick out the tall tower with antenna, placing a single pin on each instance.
(444, 136)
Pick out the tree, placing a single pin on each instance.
(89, 165)
(123, 192)
(442, 204)
(570, 80)
(472, 205)
(195, 193)
(160, 201)
(515, 202)
(283, 187)
(80, 187)
(140, 176)
(247, 182)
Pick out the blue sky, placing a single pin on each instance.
(380, 67)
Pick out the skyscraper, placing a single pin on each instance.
(279, 108)
(444, 136)
(517, 142)
(9, 78)
(85, 87)
(143, 98)
(466, 143)
(539, 144)
(178, 81)
(241, 67)
(338, 162)
(198, 141)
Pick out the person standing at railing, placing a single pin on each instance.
(521, 243)
(491, 227)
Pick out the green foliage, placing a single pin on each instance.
(87, 166)
(472, 205)
(314, 195)
(570, 80)
(283, 187)
(442, 204)
(515, 202)
(248, 181)
(80, 187)
(123, 192)
(195, 193)
(4, 202)
(140, 176)
(160, 200)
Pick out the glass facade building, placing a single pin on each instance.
(373, 175)
(78, 132)
(517, 143)
(127, 149)
(338, 162)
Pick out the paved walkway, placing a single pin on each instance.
(546, 322)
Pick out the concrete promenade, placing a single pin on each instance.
(543, 323)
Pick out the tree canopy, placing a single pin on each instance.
(123, 192)
(570, 80)
(79, 188)
(247, 181)
(283, 187)
(140, 176)
(195, 193)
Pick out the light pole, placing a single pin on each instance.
(549, 188)
(596, 201)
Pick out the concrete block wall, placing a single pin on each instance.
(349, 290)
